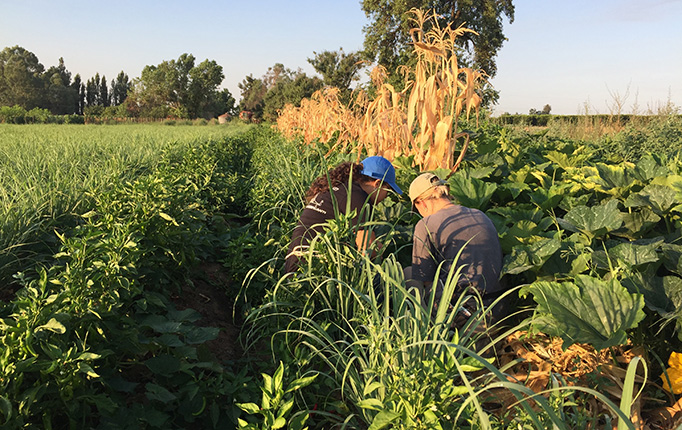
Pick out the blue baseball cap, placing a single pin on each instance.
(378, 167)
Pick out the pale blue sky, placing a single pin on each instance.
(568, 54)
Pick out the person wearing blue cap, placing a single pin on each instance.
(370, 182)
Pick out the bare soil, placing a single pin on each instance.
(206, 294)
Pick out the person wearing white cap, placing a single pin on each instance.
(446, 229)
(372, 180)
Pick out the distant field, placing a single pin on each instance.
(49, 172)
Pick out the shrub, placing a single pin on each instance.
(12, 114)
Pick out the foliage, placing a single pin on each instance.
(589, 311)
(277, 403)
(20, 78)
(419, 121)
(94, 326)
(387, 40)
(178, 88)
(253, 92)
(91, 338)
(288, 91)
(338, 69)
(661, 136)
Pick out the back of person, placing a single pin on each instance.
(452, 235)
(322, 208)
(441, 236)
(352, 186)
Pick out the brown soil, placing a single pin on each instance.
(206, 294)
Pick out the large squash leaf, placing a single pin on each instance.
(638, 223)
(636, 253)
(659, 198)
(657, 291)
(471, 192)
(532, 256)
(587, 311)
(549, 198)
(593, 221)
(615, 180)
(649, 167)
(672, 257)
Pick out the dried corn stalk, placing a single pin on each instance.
(420, 120)
(320, 118)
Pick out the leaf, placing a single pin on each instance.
(87, 369)
(655, 289)
(277, 379)
(157, 392)
(122, 385)
(169, 218)
(88, 356)
(161, 324)
(298, 421)
(514, 188)
(373, 404)
(672, 257)
(640, 222)
(278, 423)
(613, 179)
(633, 254)
(659, 198)
(154, 417)
(369, 388)
(526, 257)
(52, 325)
(198, 335)
(285, 408)
(471, 192)
(593, 221)
(587, 311)
(649, 167)
(547, 199)
(249, 408)
(164, 364)
(383, 419)
(301, 383)
(5, 408)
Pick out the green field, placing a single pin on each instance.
(129, 254)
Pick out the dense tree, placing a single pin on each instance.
(545, 110)
(253, 92)
(92, 91)
(79, 89)
(202, 98)
(60, 97)
(104, 92)
(119, 89)
(226, 102)
(21, 81)
(338, 69)
(387, 35)
(289, 91)
(278, 86)
(178, 88)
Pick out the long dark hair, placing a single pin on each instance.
(338, 176)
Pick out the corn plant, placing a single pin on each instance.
(420, 120)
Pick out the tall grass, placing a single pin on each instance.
(390, 358)
(50, 173)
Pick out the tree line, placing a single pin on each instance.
(183, 88)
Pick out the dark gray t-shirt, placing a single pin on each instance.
(321, 209)
(440, 237)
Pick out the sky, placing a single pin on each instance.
(578, 56)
